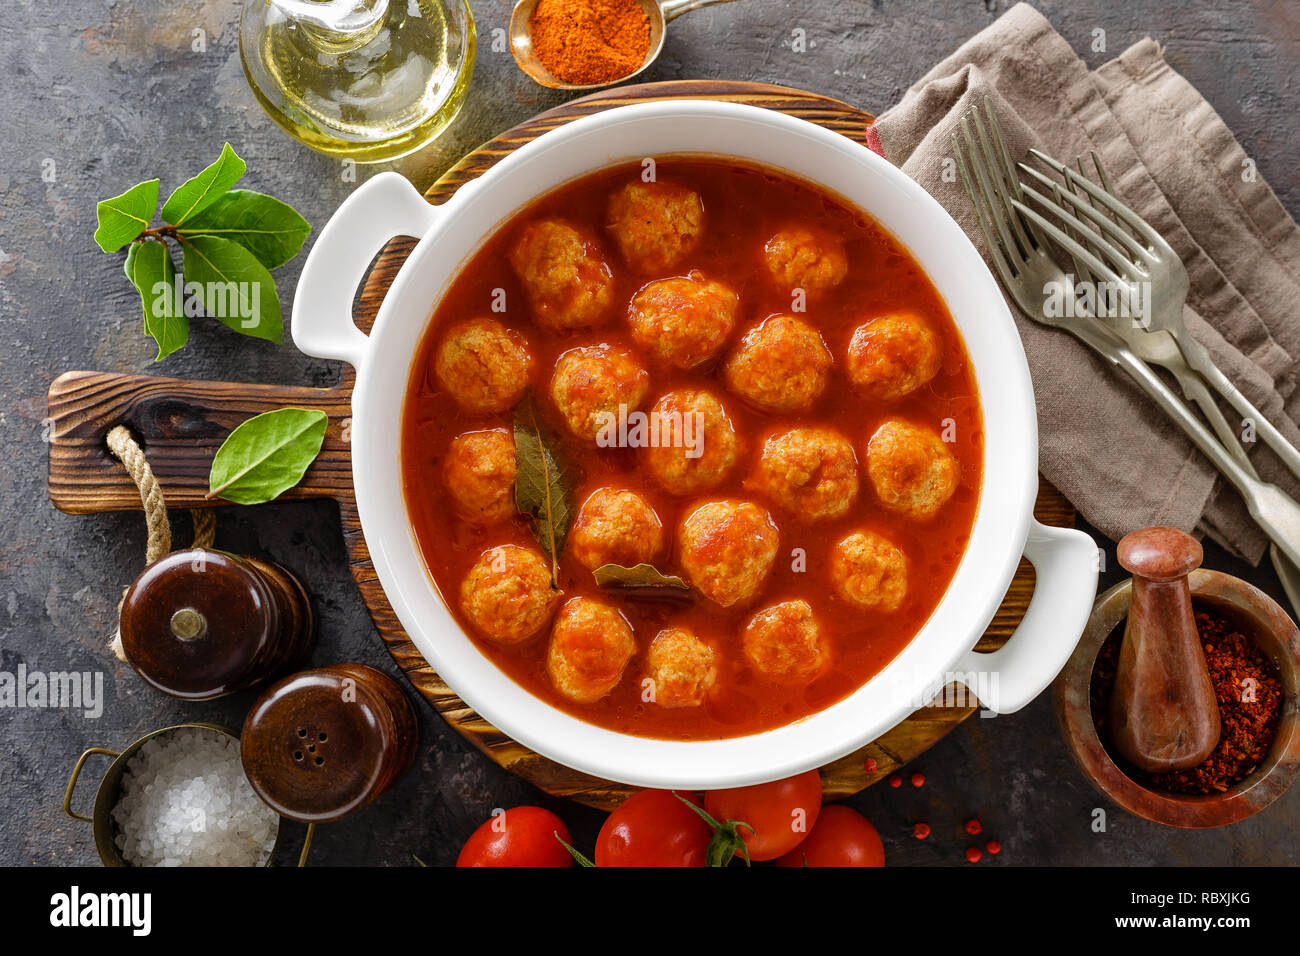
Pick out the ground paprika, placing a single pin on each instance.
(587, 42)
(1250, 704)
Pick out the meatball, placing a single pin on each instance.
(480, 473)
(615, 527)
(483, 365)
(683, 321)
(590, 646)
(507, 594)
(894, 355)
(591, 382)
(569, 284)
(726, 549)
(869, 571)
(784, 642)
(911, 468)
(656, 225)
(782, 365)
(809, 471)
(800, 257)
(693, 443)
(681, 667)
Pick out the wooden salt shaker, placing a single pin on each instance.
(321, 744)
(1163, 710)
(201, 624)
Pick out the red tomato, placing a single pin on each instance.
(524, 836)
(654, 828)
(842, 837)
(780, 813)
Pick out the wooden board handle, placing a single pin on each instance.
(180, 423)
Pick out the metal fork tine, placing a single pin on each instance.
(979, 164)
(1070, 245)
(1080, 267)
(1072, 181)
(1006, 272)
(1141, 256)
(1077, 193)
(998, 159)
(1121, 211)
(1116, 257)
(1006, 269)
(1104, 179)
(992, 185)
(1109, 224)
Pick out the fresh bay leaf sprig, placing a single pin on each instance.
(267, 455)
(643, 581)
(543, 483)
(229, 239)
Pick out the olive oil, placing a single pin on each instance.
(367, 80)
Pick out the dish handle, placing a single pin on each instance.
(382, 208)
(1065, 568)
(76, 775)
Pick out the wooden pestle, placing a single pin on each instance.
(1163, 710)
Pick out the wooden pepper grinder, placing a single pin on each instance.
(1164, 713)
(200, 624)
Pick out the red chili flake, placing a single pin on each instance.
(1250, 704)
(869, 765)
(973, 854)
(973, 827)
(994, 847)
(918, 780)
(895, 780)
(920, 830)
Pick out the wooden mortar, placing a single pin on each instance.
(1277, 637)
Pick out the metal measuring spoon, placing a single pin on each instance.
(659, 13)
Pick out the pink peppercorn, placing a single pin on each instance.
(869, 765)
(920, 830)
(918, 780)
(994, 847)
(973, 854)
(973, 827)
(895, 780)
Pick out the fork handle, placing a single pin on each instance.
(1275, 440)
(1195, 390)
(1273, 509)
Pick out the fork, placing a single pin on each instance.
(1156, 346)
(1015, 237)
(1136, 255)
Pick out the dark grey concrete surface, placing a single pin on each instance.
(107, 92)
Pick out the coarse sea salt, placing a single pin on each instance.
(186, 802)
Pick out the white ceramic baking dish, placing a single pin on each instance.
(1065, 560)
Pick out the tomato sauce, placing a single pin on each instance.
(744, 206)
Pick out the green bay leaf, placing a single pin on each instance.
(150, 268)
(271, 230)
(204, 189)
(267, 455)
(124, 217)
(542, 483)
(237, 290)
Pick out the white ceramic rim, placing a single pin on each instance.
(842, 167)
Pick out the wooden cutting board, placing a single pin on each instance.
(181, 423)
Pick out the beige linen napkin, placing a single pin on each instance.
(1102, 441)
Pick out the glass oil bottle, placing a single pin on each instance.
(367, 80)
